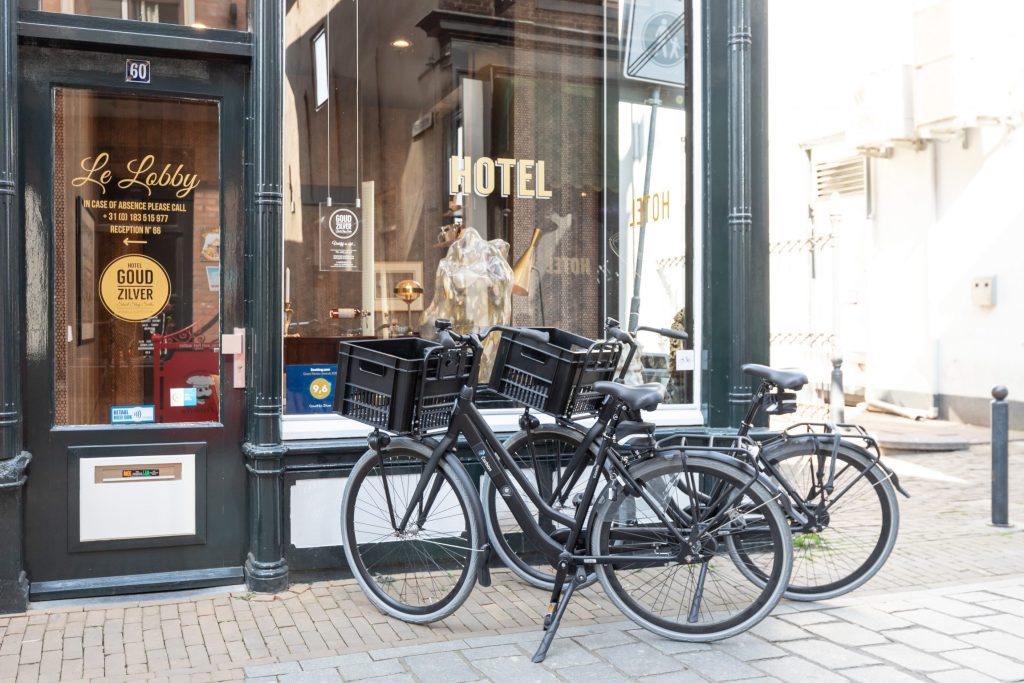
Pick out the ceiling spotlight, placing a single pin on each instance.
(400, 43)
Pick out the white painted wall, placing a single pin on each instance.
(940, 213)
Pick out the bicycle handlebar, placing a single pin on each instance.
(452, 340)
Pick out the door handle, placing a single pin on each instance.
(234, 345)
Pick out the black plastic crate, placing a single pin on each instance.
(406, 385)
(554, 377)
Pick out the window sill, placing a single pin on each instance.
(330, 426)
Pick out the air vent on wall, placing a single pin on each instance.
(845, 177)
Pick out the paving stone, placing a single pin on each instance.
(718, 666)
(371, 669)
(638, 660)
(565, 652)
(961, 676)
(393, 678)
(413, 650)
(684, 676)
(998, 642)
(664, 645)
(335, 662)
(955, 608)
(594, 673)
(876, 674)
(598, 641)
(318, 676)
(1004, 622)
(1006, 605)
(440, 667)
(794, 669)
(870, 618)
(514, 668)
(925, 639)
(989, 663)
(748, 647)
(774, 629)
(805, 618)
(276, 669)
(940, 622)
(825, 652)
(908, 657)
(847, 634)
(492, 651)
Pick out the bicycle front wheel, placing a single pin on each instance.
(696, 593)
(425, 571)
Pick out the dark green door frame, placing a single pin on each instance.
(735, 211)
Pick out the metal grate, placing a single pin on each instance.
(847, 176)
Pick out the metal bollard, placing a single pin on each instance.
(1000, 457)
(837, 399)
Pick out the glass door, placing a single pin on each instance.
(133, 230)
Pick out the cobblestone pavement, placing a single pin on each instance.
(948, 606)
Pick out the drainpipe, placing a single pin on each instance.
(740, 218)
(13, 459)
(265, 568)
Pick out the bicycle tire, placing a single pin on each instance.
(866, 530)
(423, 575)
(515, 549)
(657, 597)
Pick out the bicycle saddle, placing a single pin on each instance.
(786, 379)
(639, 397)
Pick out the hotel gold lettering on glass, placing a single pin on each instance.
(134, 288)
(484, 176)
(141, 173)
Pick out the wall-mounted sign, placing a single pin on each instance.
(120, 415)
(339, 237)
(134, 288)
(309, 388)
(655, 42)
(137, 71)
(522, 177)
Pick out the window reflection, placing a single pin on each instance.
(489, 153)
(223, 14)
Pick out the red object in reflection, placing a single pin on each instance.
(180, 361)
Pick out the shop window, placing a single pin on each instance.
(487, 163)
(223, 14)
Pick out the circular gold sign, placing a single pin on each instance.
(320, 388)
(134, 288)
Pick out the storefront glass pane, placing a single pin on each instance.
(233, 15)
(490, 152)
(137, 258)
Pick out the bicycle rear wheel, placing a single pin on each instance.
(852, 530)
(425, 572)
(697, 593)
(544, 455)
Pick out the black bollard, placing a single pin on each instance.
(1000, 457)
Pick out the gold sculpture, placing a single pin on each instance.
(524, 267)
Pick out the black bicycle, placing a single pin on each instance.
(839, 497)
(660, 532)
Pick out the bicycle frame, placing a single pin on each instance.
(499, 466)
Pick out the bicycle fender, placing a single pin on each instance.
(860, 450)
(762, 478)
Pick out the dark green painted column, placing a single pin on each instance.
(265, 568)
(735, 210)
(13, 460)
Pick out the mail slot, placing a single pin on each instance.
(134, 472)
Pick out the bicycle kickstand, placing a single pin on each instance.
(560, 604)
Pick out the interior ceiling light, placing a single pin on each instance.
(400, 43)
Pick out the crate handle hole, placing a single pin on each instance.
(372, 368)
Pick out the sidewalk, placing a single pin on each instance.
(948, 606)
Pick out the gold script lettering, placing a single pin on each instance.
(183, 182)
(91, 165)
